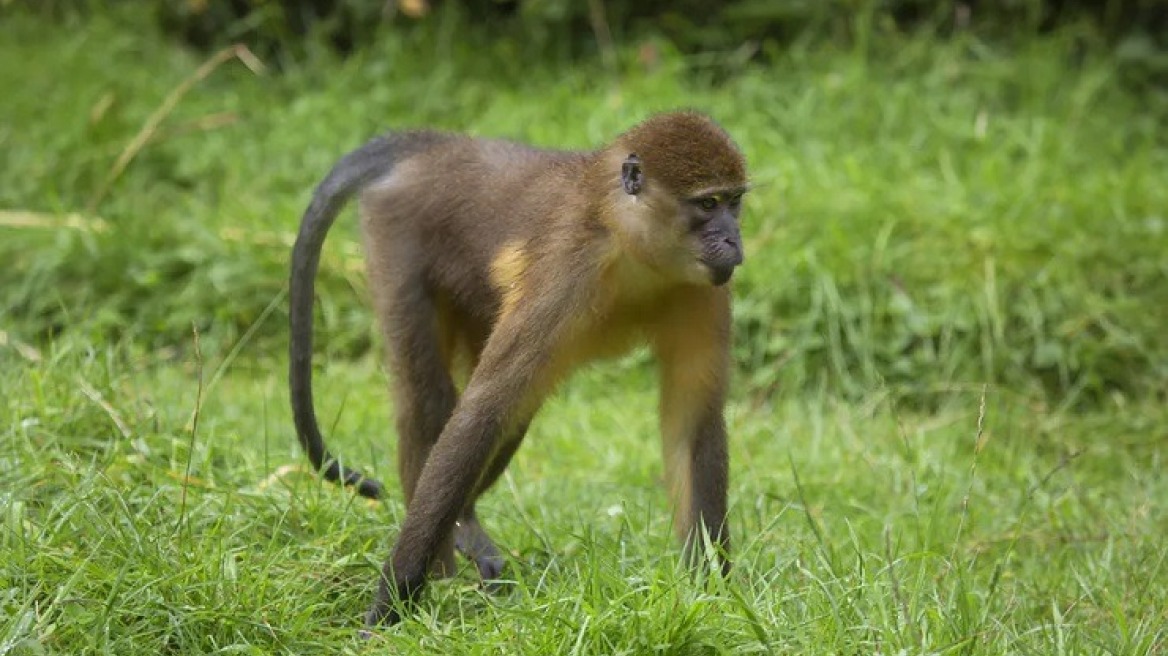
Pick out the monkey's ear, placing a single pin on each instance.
(632, 179)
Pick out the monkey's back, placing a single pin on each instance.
(454, 195)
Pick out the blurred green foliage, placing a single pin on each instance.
(286, 32)
(690, 24)
(928, 213)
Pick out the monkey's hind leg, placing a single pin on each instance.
(473, 542)
(469, 537)
(423, 390)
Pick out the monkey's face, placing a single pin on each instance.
(690, 236)
(711, 223)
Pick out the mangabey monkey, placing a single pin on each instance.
(518, 265)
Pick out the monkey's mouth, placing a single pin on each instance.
(721, 258)
(721, 275)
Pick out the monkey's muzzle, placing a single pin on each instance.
(721, 275)
(721, 259)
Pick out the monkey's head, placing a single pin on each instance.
(682, 180)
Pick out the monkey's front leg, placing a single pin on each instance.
(697, 474)
(453, 468)
(694, 365)
(709, 482)
(509, 369)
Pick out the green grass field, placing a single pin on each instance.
(949, 423)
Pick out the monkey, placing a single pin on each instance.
(509, 266)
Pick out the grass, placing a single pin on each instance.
(948, 425)
(861, 528)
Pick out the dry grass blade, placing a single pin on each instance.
(194, 428)
(150, 127)
(26, 351)
(92, 394)
(353, 256)
(280, 474)
(30, 219)
(600, 29)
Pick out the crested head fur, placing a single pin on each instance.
(685, 152)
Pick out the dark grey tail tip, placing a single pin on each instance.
(369, 488)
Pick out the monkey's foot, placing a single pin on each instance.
(473, 542)
(380, 615)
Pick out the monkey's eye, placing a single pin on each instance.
(709, 203)
(736, 201)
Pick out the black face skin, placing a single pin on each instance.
(713, 218)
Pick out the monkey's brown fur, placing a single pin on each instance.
(514, 266)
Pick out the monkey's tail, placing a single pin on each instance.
(350, 174)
